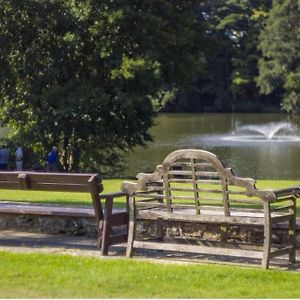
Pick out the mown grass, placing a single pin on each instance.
(62, 276)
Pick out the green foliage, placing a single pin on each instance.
(280, 46)
(81, 74)
(227, 80)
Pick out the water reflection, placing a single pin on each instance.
(254, 145)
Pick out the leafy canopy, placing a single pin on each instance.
(83, 74)
(280, 45)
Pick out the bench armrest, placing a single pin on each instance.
(112, 195)
(109, 199)
(287, 192)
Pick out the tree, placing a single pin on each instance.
(227, 81)
(280, 45)
(82, 74)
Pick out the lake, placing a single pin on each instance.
(261, 146)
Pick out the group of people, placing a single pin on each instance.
(51, 161)
(4, 158)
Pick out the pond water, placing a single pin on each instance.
(261, 146)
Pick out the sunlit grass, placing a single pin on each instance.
(62, 276)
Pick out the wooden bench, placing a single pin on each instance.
(193, 186)
(68, 182)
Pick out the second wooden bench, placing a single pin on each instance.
(105, 218)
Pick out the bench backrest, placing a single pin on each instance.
(192, 178)
(56, 182)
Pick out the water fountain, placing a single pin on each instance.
(270, 132)
(266, 134)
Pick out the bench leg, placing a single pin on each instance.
(131, 229)
(266, 247)
(106, 226)
(99, 234)
(267, 237)
(292, 235)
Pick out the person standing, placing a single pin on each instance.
(4, 157)
(52, 160)
(19, 159)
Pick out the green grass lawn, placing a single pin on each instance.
(62, 276)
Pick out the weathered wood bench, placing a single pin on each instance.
(68, 182)
(193, 186)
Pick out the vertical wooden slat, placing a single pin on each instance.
(267, 236)
(225, 196)
(167, 192)
(195, 187)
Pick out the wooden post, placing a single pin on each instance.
(131, 227)
(93, 181)
(106, 225)
(267, 236)
(292, 232)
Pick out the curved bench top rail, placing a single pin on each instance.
(226, 174)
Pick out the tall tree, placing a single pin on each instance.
(237, 24)
(227, 83)
(280, 45)
(82, 74)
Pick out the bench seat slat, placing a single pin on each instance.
(76, 178)
(205, 216)
(56, 210)
(47, 210)
(198, 249)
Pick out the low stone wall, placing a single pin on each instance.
(214, 232)
(77, 226)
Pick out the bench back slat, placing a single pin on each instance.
(10, 185)
(56, 182)
(9, 180)
(59, 182)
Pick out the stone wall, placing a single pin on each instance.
(77, 226)
(49, 224)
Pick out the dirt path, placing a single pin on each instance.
(24, 242)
